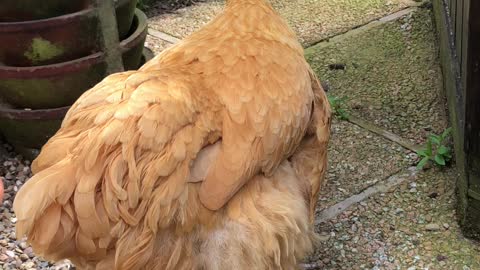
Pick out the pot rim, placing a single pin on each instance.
(80, 63)
(139, 33)
(52, 21)
(40, 114)
(48, 114)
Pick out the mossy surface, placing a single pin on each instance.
(351, 165)
(391, 75)
(411, 227)
(41, 50)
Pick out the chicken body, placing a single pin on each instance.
(124, 184)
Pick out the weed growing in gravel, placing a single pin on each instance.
(338, 107)
(143, 4)
(436, 150)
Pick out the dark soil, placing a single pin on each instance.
(157, 7)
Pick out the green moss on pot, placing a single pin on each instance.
(58, 85)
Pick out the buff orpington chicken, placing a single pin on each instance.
(211, 156)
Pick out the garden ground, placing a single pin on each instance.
(379, 58)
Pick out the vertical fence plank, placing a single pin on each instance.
(450, 6)
(462, 88)
(453, 17)
(465, 30)
(463, 66)
(472, 118)
(460, 34)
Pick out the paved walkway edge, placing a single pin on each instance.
(362, 28)
(380, 187)
(163, 36)
(384, 133)
(340, 36)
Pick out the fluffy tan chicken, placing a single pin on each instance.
(210, 156)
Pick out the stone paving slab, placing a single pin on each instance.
(312, 20)
(156, 45)
(411, 227)
(391, 75)
(358, 159)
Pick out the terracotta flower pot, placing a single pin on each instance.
(28, 10)
(56, 39)
(29, 130)
(59, 85)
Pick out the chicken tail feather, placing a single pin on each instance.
(43, 208)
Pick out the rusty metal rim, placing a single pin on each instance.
(42, 114)
(53, 21)
(77, 64)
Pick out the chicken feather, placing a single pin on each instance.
(130, 181)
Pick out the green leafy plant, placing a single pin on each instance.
(436, 150)
(338, 107)
(143, 4)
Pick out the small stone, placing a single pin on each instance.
(324, 237)
(18, 263)
(446, 226)
(29, 265)
(23, 245)
(3, 257)
(29, 252)
(10, 253)
(441, 258)
(432, 227)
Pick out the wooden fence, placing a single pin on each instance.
(458, 25)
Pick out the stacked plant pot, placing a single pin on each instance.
(50, 53)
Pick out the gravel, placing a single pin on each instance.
(164, 6)
(357, 160)
(155, 44)
(400, 229)
(14, 254)
(312, 20)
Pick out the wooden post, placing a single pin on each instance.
(110, 42)
(459, 37)
(472, 118)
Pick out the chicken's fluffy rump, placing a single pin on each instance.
(210, 156)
